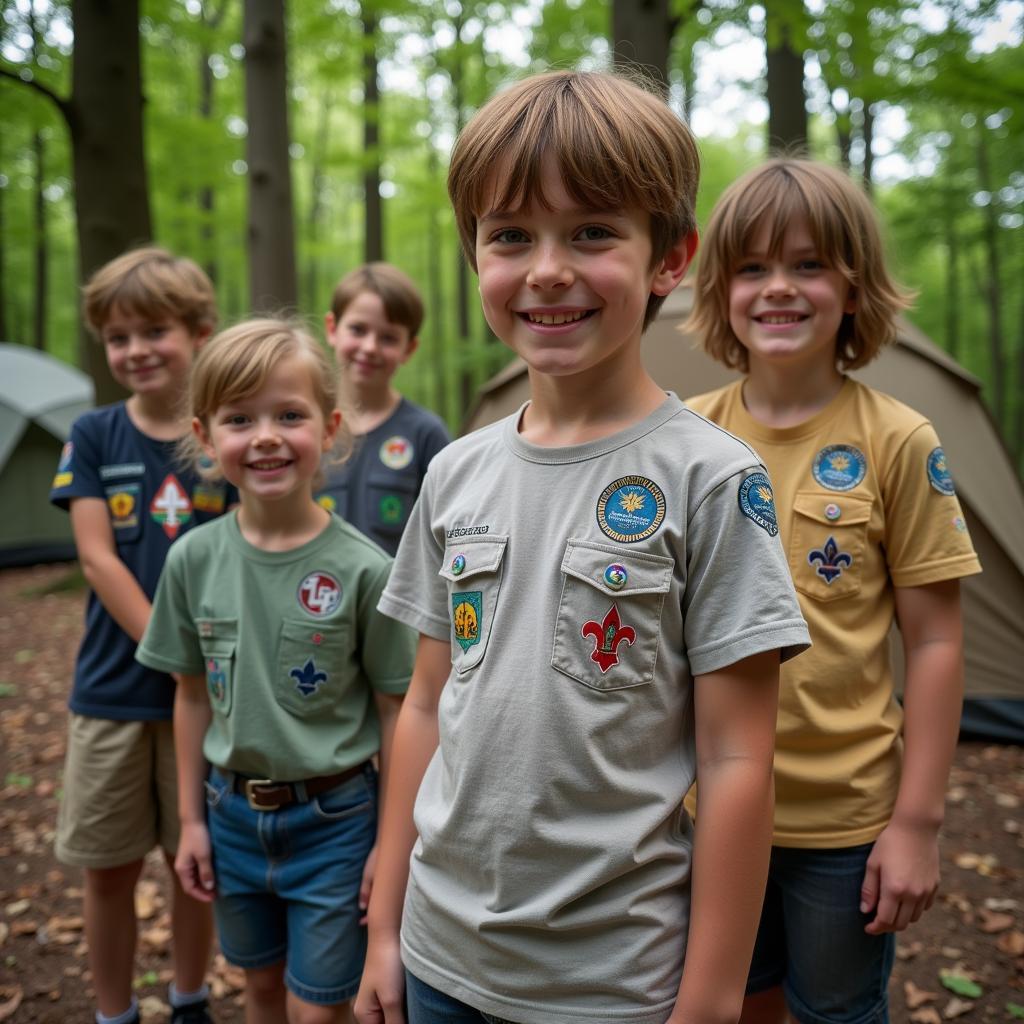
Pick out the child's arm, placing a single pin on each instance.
(903, 869)
(192, 714)
(415, 741)
(735, 719)
(388, 706)
(111, 580)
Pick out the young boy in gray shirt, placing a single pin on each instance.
(602, 603)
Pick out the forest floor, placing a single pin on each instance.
(964, 959)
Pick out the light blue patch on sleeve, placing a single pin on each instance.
(939, 475)
(757, 502)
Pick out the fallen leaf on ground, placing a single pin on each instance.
(926, 1015)
(147, 899)
(960, 984)
(66, 924)
(907, 951)
(915, 997)
(992, 922)
(24, 927)
(951, 952)
(1012, 943)
(956, 1008)
(992, 903)
(153, 1008)
(156, 938)
(11, 996)
(1010, 800)
(16, 908)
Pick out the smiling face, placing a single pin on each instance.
(369, 346)
(566, 287)
(786, 307)
(268, 444)
(150, 356)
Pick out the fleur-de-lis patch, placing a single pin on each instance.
(308, 678)
(607, 635)
(832, 560)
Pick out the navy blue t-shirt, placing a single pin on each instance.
(151, 501)
(377, 488)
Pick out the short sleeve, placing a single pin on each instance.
(926, 538)
(739, 598)
(77, 474)
(387, 647)
(171, 642)
(415, 594)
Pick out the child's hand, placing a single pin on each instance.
(902, 876)
(381, 997)
(193, 863)
(366, 886)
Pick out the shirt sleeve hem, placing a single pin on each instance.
(152, 660)
(936, 572)
(391, 686)
(411, 615)
(790, 638)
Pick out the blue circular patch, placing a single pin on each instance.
(630, 509)
(757, 502)
(839, 467)
(938, 473)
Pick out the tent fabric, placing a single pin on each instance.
(40, 397)
(919, 373)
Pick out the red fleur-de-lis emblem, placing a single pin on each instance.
(607, 637)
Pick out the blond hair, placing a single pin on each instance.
(236, 364)
(844, 227)
(615, 144)
(151, 283)
(401, 299)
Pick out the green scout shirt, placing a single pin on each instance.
(290, 643)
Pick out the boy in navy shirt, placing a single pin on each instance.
(129, 500)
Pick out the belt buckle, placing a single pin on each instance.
(250, 795)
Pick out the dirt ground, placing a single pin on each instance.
(964, 959)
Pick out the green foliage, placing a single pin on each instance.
(960, 984)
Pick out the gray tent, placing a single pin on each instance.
(919, 373)
(39, 399)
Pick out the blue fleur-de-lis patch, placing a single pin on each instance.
(308, 678)
(832, 560)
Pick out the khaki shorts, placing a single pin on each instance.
(120, 792)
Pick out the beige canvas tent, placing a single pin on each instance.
(919, 373)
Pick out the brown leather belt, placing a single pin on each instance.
(267, 795)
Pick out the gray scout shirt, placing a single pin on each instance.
(581, 588)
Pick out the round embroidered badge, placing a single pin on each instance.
(938, 473)
(327, 501)
(757, 502)
(630, 509)
(396, 452)
(319, 594)
(839, 467)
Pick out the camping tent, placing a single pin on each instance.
(919, 373)
(39, 399)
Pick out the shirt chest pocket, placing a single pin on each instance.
(217, 640)
(311, 662)
(391, 500)
(608, 625)
(828, 544)
(473, 570)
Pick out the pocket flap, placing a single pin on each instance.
(614, 572)
(468, 556)
(833, 509)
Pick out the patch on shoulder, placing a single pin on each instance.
(631, 509)
(939, 475)
(757, 502)
(839, 467)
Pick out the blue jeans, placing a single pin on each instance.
(288, 884)
(426, 1005)
(811, 939)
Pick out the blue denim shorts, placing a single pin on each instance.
(426, 1005)
(288, 884)
(811, 939)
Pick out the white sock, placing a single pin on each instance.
(183, 998)
(121, 1018)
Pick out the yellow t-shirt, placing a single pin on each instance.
(865, 503)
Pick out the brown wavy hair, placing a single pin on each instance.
(844, 227)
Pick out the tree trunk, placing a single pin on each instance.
(373, 235)
(435, 290)
(992, 287)
(41, 247)
(207, 201)
(108, 158)
(272, 276)
(868, 135)
(642, 35)
(787, 112)
(317, 184)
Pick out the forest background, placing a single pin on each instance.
(280, 145)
